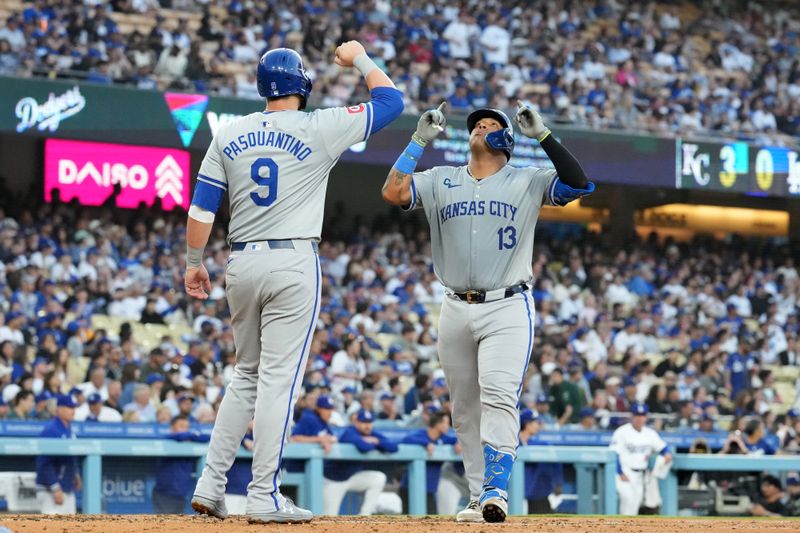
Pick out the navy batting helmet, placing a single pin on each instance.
(500, 139)
(281, 73)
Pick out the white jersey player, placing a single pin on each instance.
(634, 444)
(274, 165)
(482, 218)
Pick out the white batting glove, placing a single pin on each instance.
(430, 124)
(530, 123)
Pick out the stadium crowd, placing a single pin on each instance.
(704, 333)
(727, 68)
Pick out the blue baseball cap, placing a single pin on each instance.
(44, 396)
(66, 400)
(542, 398)
(94, 398)
(152, 378)
(324, 402)
(639, 409)
(586, 411)
(387, 396)
(348, 390)
(526, 415)
(793, 413)
(439, 383)
(365, 415)
(75, 391)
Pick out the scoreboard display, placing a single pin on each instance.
(738, 167)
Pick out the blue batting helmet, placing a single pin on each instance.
(499, 140)
(281, 73)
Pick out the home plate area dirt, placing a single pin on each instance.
(385, 524)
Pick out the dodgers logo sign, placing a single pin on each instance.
(89, 172)
(48, 115)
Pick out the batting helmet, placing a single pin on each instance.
(500, 139)
(281, 73)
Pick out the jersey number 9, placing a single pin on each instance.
(506, 238)
(270, 181)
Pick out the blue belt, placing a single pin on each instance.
(274, 244)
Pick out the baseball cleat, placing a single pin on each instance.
(289, 513)
(494, 506)
(208, 507)
(470, 513)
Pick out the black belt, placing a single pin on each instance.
(479, 296)
(274, 244)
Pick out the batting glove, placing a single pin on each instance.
(430, 124)
(530, 123)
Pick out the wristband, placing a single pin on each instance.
(364, 64)
(194, 257)
(407, 161)
(543, 136)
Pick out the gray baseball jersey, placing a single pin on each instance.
(482, 230)
(275, 168)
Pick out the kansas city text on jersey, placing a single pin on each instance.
(283, 141)
(473, 207)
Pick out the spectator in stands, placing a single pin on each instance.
(389, 407)
(99, 412)
(347, 366)
(175, 475)
(567, 399)
(141, 405)
(344, 476)
(22, 408)
(57, 477)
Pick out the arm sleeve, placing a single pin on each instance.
(342, 127)
(422, 184)
(658, 443)
(211, 180)
(46, 471)
(566, 165)
(350, 436)
(386, 445)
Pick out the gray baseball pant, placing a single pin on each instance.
(484, 350)
(273, 295)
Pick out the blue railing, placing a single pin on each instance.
(593, 465)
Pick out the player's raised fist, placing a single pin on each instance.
(347, 52)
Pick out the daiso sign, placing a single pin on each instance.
(89, 172)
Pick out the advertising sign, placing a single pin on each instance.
(90, 172)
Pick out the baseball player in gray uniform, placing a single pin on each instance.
(274, 165)
(482, 218)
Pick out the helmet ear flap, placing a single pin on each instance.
(501, 140)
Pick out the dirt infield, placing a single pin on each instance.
(381, 524)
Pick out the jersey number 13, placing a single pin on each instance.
(506, 238)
